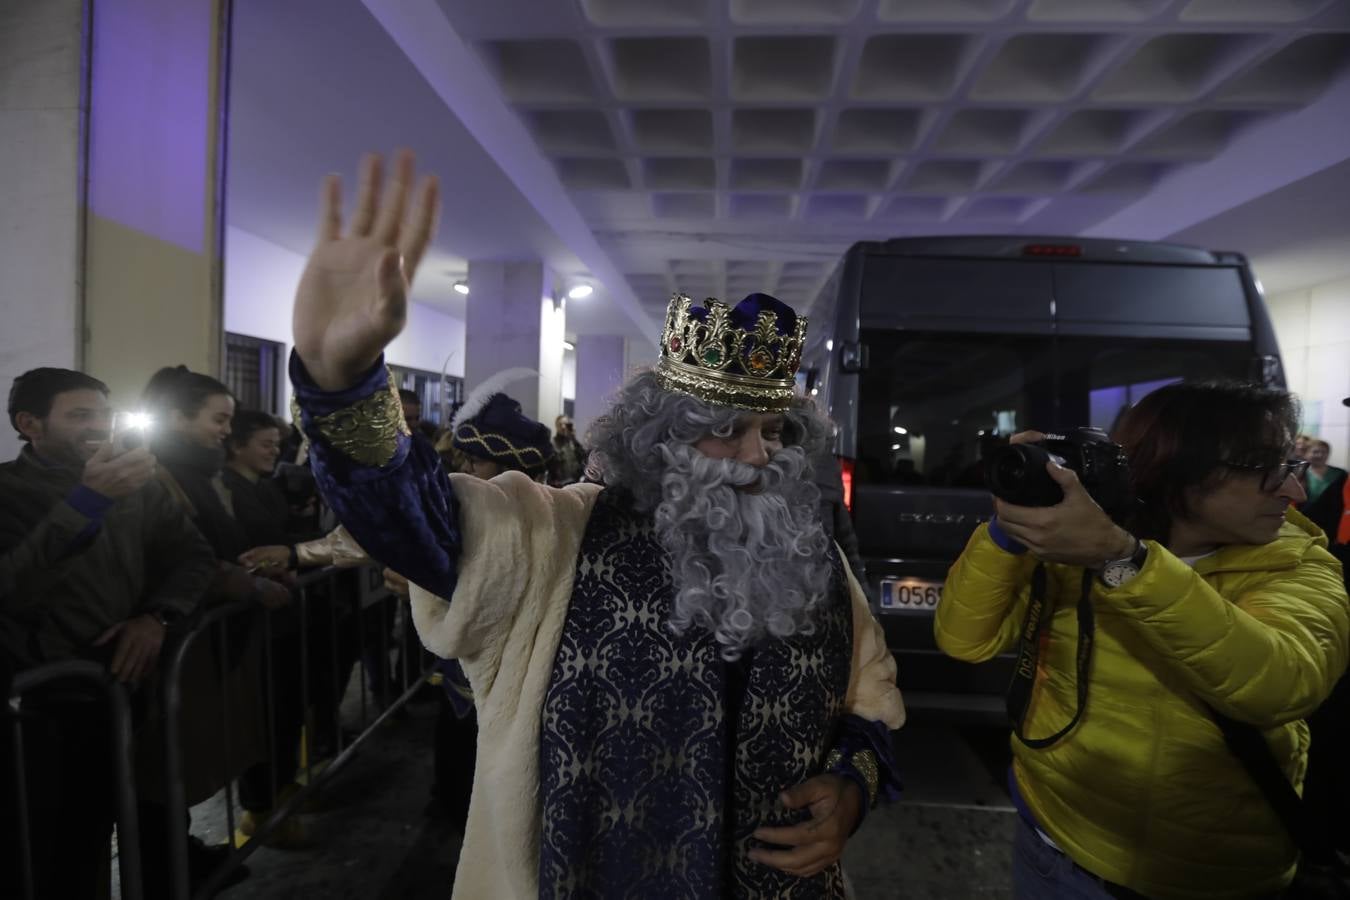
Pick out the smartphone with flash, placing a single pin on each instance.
(130, 430)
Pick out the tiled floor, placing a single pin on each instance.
(948, 840)
(932, 853)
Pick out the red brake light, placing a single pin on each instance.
(846, 473)
(1052, 250)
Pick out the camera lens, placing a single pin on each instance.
(1016, 474)
(1008, 470)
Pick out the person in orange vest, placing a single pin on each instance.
(1343, 529)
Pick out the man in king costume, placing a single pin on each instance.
(681, 690)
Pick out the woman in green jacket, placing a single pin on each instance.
(1218, 597)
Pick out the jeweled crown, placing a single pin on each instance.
(744, 357)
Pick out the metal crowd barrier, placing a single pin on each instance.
(216, 624)
(119, 715)
(371, 593)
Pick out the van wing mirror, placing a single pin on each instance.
(852, 356)
(1266, 370)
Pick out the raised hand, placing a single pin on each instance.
(353, 297)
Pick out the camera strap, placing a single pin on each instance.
(1248, 744)
(1037, 624)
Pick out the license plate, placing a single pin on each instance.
(900, 595)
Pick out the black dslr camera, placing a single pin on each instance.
(1016, 473)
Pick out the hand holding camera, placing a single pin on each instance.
(1043, 503)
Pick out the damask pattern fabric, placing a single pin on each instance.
(650, 787)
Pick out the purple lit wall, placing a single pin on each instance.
(260, 280)
(149, 128)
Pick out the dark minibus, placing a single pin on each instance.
(929, 353)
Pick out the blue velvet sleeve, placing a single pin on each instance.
(402, 512)
(863, 753)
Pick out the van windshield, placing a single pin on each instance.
(933, 404)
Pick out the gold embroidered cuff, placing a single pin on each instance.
(864, 762)
(368, 430)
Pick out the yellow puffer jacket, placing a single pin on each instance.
(1143, 792)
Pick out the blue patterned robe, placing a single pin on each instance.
(658, 758)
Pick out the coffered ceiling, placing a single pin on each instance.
(719, 147)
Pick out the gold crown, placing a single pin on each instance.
(705, 355)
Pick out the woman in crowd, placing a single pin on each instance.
(192, 414)
(1321, 474)
(1325, 484)
(280, 546)
(262, 512)
(251, 454)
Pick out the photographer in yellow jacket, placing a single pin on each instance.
(1207, 612)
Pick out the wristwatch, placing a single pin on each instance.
(165, 615)
(1115, 572)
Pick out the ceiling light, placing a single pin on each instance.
(895, 446)
(900, 429)
(462, 287)
(580, 292)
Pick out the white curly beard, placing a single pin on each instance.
(749, 557)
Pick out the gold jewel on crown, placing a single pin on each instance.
(719, 363)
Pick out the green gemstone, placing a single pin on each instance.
(712, 356)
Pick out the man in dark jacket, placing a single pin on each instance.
(93, 551)
(96, 559)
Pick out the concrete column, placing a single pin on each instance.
(41, 129)
(600, 372)
(552, 333)
(569, 376)
(513, 321)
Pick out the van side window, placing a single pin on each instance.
(933, 405)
